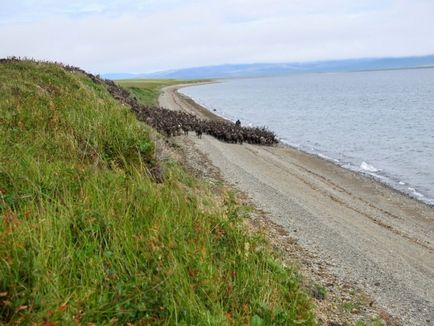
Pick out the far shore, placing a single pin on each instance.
(370, 234)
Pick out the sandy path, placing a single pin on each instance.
(371, 236)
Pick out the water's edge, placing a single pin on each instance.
(392, 184)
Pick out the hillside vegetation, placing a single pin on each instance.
(88, 235)
(147, 90)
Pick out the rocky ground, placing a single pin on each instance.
(336, 302)
(364, 248)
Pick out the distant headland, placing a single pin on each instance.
(278, 69)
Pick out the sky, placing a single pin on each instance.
(140, 36)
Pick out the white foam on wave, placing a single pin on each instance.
(328, 158)
(380, 177)
(368, 167)
(415, 193)
(401, 183)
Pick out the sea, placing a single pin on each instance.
(378, 123)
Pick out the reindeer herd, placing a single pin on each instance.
(175, 123)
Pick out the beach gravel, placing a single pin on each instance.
(368, 234)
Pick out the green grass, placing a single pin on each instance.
(147, 90)
(87, 236)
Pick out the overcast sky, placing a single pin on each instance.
(149, 35)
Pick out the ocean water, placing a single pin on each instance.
(379, 123)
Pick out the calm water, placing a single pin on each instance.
(379, 123)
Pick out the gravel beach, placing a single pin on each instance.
(370, 235)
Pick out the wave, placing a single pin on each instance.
(368, 167)
(415, 193)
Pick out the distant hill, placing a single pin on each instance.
(275, 69)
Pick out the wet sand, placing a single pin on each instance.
(370, 235)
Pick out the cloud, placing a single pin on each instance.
(139, 36)
(31, 10)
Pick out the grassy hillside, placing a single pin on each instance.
(88, 236)
(147, 90)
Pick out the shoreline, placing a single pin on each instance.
(198, 109)
(368, 234)
(316, 158)
(208, 114)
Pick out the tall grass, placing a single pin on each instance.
(87, 236)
